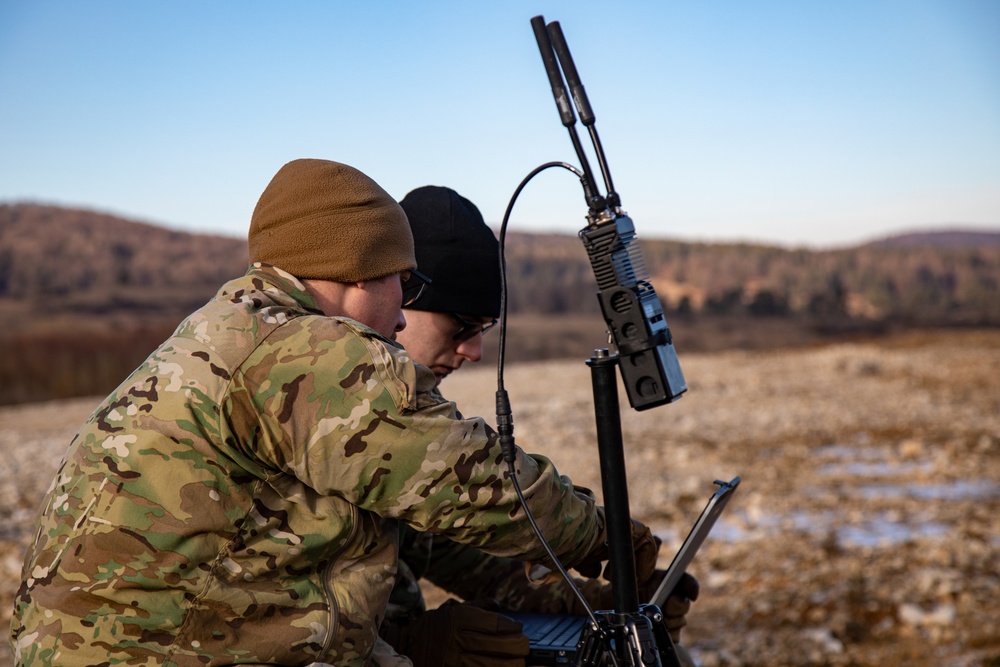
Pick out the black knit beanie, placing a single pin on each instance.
(456, 250)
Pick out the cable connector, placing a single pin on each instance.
(505, 426)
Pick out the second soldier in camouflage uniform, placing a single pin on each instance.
(445, 327)
(237, 499)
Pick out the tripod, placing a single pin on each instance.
(632, 634)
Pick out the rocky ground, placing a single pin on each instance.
(866, 530)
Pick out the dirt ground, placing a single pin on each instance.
(866, 530)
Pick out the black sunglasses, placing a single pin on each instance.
(414, 283)
(470, 329)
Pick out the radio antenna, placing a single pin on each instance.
(595, 202)
(582, 106)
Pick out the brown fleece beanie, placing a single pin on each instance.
(325, 220)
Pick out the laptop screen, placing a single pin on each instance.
(553, 637)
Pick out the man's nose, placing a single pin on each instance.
(471, 349)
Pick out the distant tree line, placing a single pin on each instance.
(84, 260)
(906, 284)
(85, 296)
(90, 261)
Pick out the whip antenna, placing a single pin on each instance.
(582, 105)
(595, 202)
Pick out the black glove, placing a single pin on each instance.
(464, 634)
(645, 545)
(678, 604)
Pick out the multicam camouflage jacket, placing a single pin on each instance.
(470, 574)
(237, 499)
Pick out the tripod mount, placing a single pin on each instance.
(631, 634)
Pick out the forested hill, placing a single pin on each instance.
(68, 260)
(926, 279)
(86, 296)
(86, 262)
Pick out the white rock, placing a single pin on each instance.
(914, 615)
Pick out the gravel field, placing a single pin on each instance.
(866, 530)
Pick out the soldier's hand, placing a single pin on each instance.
(647, 550)
(600, 596)
(460, 634)
(678, 604)
(645, 545)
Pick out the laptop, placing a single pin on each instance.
(554, 637)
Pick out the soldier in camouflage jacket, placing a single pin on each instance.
(445, 328)
(237, 499)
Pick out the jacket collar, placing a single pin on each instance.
(285, 288)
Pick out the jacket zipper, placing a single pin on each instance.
(334, 622)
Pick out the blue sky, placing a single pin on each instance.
(797, 123)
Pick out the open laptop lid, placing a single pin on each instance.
(694, 540)
(554, 637)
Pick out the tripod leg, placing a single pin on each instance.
(669, 655)
(603, 370)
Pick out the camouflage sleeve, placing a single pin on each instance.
(469, 573)
(474, 575)
(557, 597)
(349, 414)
